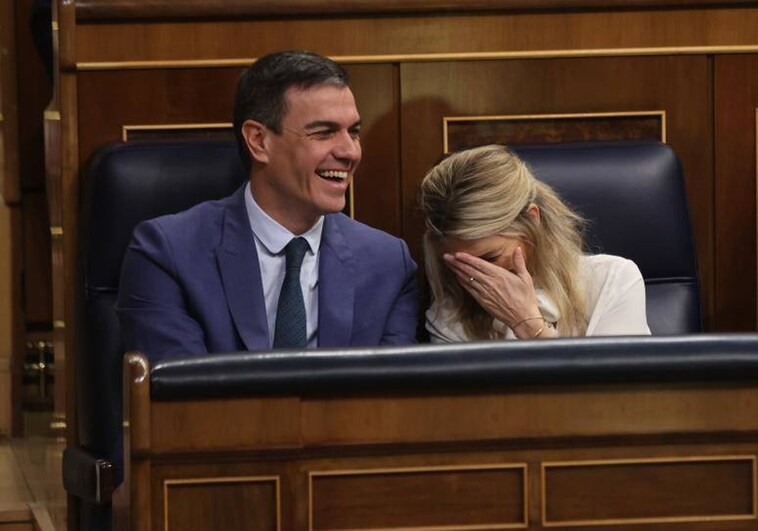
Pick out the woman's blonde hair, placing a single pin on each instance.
(487, 191)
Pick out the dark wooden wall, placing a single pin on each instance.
(684, 72)
(26, 90)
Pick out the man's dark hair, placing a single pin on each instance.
(262, 86)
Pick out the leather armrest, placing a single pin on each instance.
(473, 365)
(86, 476)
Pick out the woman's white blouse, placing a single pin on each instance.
(615, 294)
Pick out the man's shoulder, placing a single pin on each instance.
(195, 215)
(368, 244)
(355, 229)
(193, 226)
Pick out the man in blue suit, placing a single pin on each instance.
(276, 264)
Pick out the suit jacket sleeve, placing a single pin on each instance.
(403, 318)
(151, 304)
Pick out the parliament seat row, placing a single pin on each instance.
(568, 432)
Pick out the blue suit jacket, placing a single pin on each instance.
(190, 283)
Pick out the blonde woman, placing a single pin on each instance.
(504, 258)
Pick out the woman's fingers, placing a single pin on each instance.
(465, 280)
(519, 263)
(477, 264)
(457, 266)
(471, 266)
(505, 295)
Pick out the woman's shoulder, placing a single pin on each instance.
(605, 266)
(606, 275)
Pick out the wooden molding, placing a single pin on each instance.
(193, 9)
(749, 460)
(174, 483)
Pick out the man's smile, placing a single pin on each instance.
(334, 175)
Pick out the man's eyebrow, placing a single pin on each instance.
(328, 124)
(321, 123)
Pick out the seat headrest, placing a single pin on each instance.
(136, 181)
(632, 194)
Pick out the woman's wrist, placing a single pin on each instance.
(529, 327)
(547, 332)
(526, 321)
(534, 328)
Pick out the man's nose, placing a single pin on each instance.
(348, 146)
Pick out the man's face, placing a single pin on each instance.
(312, 161)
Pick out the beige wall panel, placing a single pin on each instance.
(677, 85)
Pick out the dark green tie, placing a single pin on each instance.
(289, 331)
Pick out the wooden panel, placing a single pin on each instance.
(7, 331)
(37, 261)
(409, 38)
(10, 186)
(11, 319)
(466, 132)
(376, 186)
(649, 491)
(111, 100)
(542, 413)
(250, 503)
(18, 526)
(266, 422)
(131, 133)
(736, 100)
(491, 497)
(34, 93)
(378, 460)
(98, 9)
(677, 85)
(11, 329)
(5, 397)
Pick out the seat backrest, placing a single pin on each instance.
(126, 184)
(632, 194)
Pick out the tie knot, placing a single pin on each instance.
(295, 251)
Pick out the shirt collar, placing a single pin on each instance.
(273, 236)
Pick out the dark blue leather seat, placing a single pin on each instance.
(632, 193)
(126, 184)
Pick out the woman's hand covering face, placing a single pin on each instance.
(507, 295)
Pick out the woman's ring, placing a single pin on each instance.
(471, 280)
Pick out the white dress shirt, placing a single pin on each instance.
(614, 291)
(270, 240)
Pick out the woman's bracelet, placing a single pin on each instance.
(538, 332)
(522, 321)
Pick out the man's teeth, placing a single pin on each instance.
(333, 174)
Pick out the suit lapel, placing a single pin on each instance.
(241, 275)
(336, 288)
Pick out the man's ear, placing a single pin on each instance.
(255, 134)
(534, 210)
